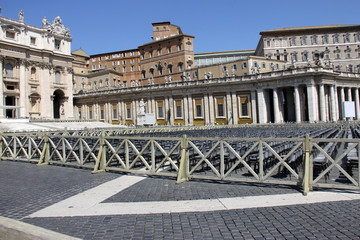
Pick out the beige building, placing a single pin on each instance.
(336, 46)
(36, 69)
(80, 70)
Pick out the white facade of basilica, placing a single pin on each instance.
(36, 67)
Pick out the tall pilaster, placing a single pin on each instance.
(22, 101)
(46, 104)
(191, 114)
(211, 108)
(206, 109)
(186, 110)
(253, 106)
(228, 107)
(171, 107)
(297, 104)
(167, 110)
(234, 108)
(322, 103)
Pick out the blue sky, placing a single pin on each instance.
(110, 25)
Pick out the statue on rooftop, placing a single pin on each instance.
(45, 23)
(21, 16)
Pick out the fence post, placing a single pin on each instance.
(183, 168)
(306, 181)
(45, 153)
(100, 163)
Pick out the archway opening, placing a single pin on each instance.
(58, 104)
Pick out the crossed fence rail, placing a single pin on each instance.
(316, 162)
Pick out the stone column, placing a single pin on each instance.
(211, 108)
(228, 106)
(337, 107)
(186, 111)
(171, 107)
(349, 95)
(153, 106)
(47, 101)
(167, 110)
(191, 114)
(262, 106)
(322, 103)
(311, 103)
(206, 109)
(342, 100)
(276, 106)
(23, 103)
(253, 106)
(357, 104)
(234, 108)
(297, 104)
(1, 87)
(333, 104)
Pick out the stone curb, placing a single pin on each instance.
(16, 230)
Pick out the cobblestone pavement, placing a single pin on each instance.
(26, 188)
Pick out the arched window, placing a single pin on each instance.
(9, 70)
(57, 77)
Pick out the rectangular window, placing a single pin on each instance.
(90, 114)
(128, 111)
(131, 68)
(293, 42)
(159, 52)
(124, 69)
(102, 114)
(198, 108)
(150, 54)
(115, 115)
(325, 39)
(10, 35)
(244, 106)
(263, 64)
(160, 110)
(303, 41)
(57, 44)
(234, 66)
(169, 49)
(220, 107)
(178, 109)
(314, 40)
(179, 47)
(32, 41)
(268, 43)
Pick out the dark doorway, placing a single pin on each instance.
(58, 101)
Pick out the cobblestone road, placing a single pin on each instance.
(26, 188)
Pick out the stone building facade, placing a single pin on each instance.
(334, 46)
(308, 94)
(36, 69)
(126, 62)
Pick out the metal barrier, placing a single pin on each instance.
(296, 161)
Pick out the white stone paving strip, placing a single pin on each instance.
(89, 203)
